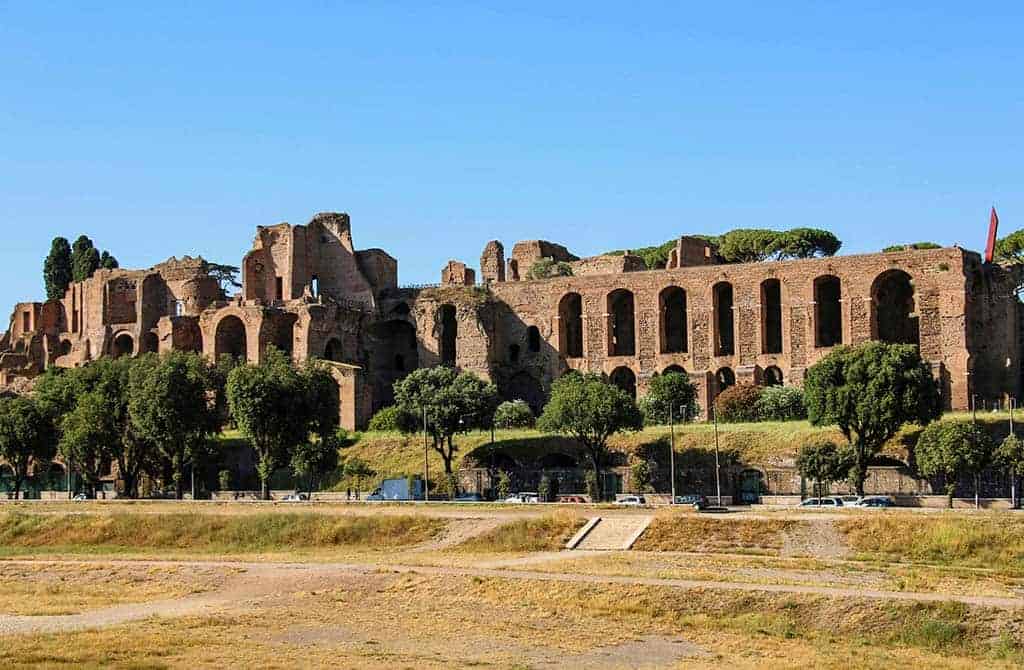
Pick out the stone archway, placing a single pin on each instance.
(570, 325)
(625, 379)
(123, 345)
(230, 338)
(621, 326)
(894, 301)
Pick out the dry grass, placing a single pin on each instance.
(40, 589)
(26, 533)
(987, 541)
(379, 621)
(696, 533)
(549, 533)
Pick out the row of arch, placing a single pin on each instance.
(624, 377)
(893, 318)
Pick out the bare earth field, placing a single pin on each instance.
(349, 586)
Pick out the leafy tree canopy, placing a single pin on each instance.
(452, 403)
(589, 409)
(951, 449)
(57, 269)
(226, 275)
(547, 267)
(672, 390)
(1010, 249)
(27, 437)
(1010, 455)
(870, 391)
(824, 462)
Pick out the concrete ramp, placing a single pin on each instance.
(612, 533)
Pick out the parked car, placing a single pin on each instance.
(698, 502)
(523, 497)
(631, 501)
(469, 497)
(80, 496)
(875, 501)
(572, 499)
(296, 497)
(822, 502)
(849, 500)
(397, 489)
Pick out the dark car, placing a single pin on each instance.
(697, 502)
(875, 501)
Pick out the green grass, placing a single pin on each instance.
(22, 533)
(548, 533)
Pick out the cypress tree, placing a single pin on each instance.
(85, 259)
(57, 269)
(108, 262)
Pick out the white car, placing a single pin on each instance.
(523, 497)
(822, 502)
(631, 501)
(296, 497)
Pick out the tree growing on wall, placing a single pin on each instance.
(951, 449)
(547, 267)
(869, 391)
(449, 402)
(590, 410)
(27, 437)
(823, 462)
(57, 269)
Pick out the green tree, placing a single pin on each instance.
(504, 485)
(590, 410)
(514, 414)
(1010, 457)
(269, 404)
(1010, 249)
(807, 243)
(134, 453)
(226, 275)
(57, 269)
(671, 390)
(869, 391)
(85, 259)
(749, 245)
(313, 459)
(547, 267)
(88, 439)
(823, 462)
(781, 403)
(170, 406)
(640, 475)
(358, 469)
(451, 402)
(27, 437)
(108, 262)
(913, 245)
(951, 449)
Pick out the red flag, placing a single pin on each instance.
(993, 230)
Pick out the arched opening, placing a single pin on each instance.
(893, 298)
(621, 333)
(771, 316)
(513, 353)
(725, 378)
(570, 325)
(772, 376)
(533, 339)
(65, 348)
(150, 343)
(828, 311)
(231, 338)
(624, 378)
(524, 386)
(449, 333)
(284, 332)
(673, 320)
(674, 370)
(393, 354)
(314, 285)
(724, 335)
(557, 461)
(188, 336)
(333, 350)
(123, 345)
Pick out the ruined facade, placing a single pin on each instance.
(308, 291)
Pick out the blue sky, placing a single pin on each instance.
(439, 126)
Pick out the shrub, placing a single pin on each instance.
(592, 490)
(224, 480)
(738, 404)
(388, 419)
(781, 403)
(640, 476)
(544, 489)
(513, 414)
(547, 267)
(673, 390)
(504, 485)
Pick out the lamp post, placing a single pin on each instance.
(1013, 474)
(426, 459)
(672, 452)
(718, 475)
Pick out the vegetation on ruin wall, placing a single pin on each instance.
(457, 295)
(392, 454)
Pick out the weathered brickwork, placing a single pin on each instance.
(308, 292)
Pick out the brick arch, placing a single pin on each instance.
(673, 320)
(624, 377)
(122, 344)
(251, 325)
(621, 310)
(570, 325)
(894, 315)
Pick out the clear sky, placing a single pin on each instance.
(439, 126)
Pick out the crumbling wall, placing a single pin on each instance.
(492, 262)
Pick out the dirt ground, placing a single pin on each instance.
(433, 605)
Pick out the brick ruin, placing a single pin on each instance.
(308, 291)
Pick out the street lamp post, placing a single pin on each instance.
(718, 475)
(1013, 474)
(672, 452)
(426, 459)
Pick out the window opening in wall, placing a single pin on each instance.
(673, 321)
(725, 378)
(399, 363)
(625, 379)
(622, 338)
(278, 288)
(533, 339)
(896, 320)
(315, 286)
(772, 376)
(771, 316)
(570, 325)
(724, 336)
(449, 334)
(26, 322)
(828, 311)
